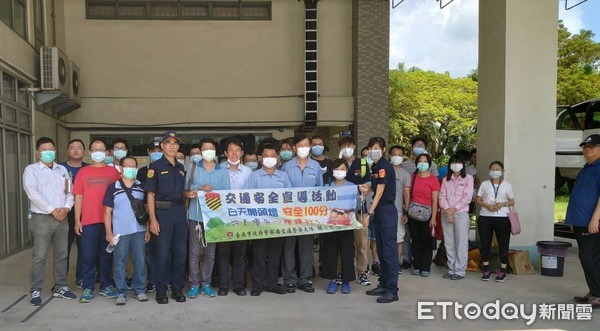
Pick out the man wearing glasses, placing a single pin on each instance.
(168, 223)
(583, 213)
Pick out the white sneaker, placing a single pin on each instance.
(142, 297)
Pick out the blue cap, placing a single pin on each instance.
(171, 134)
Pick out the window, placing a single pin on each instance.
(38, 23)
(8, 87)
(177, 10)
(14, 14)
(594, 116)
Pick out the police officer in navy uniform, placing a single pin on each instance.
(168, 222)
(385, 217)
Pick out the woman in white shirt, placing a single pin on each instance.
(494, 196)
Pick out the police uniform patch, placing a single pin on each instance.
(150, 173)
(381, 173)
(164, 172)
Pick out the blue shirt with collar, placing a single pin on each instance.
(311, 176)
(166, 180)
(123, 218)
(238, 178)
(584, 196)
(217, 178)
(260, 179)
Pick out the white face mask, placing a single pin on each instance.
(495, 174)
(303, 152)
(375, 154)
(339, 174)
(456, 167)
(233, 162)
(269, 162)
(181, 161)
(98, 156)
(347, 152)
(397, 160)
(209, 155)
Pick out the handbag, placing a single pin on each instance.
(515, 223)
(417, 211)
(136, 205)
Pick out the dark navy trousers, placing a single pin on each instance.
(385, 221)
(170, 248)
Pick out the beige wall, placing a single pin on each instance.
(209, 73)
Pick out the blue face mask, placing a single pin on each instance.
(98, 156)
(317, 150)
(129, 173)
(47, 156)
(196, 158)
(369, 161)
(286, 155)
(423, 166)
(119, 154)
(252, 165)
(155, 156)
(418, 150)
(108, 159)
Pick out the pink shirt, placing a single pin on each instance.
(457, 193)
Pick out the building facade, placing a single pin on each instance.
(204, 68)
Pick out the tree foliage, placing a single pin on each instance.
(435, 106)
(578, 66)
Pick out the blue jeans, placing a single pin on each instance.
(93, 243)
(135, 244)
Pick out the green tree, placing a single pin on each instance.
(578, 66)
(433, 105)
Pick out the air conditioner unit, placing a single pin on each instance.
(73, 82)
(54, 71)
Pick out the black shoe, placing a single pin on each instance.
(150, 288)
(405, 265)
(387, 298)
(240, 292)
(276, 289)
(256, 291)
(161, 298)
(177, 295)
(584, 299)
(378, 291)
(376, 268)
(290, 288)
(308, 288)
(223, 291)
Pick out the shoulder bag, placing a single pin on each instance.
(417, 211)
(136, 205)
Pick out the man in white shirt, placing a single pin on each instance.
(48, 189)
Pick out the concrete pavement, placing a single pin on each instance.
(299, 311)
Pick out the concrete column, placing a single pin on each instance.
(370, 72)
(517, 100)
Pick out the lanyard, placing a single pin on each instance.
(496, 189)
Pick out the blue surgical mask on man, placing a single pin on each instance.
(286, 155)
(47, 156)
(108, 159)
(196, 158)
(129, 173)
(120, 153)
(155, 156)
(252, 165)
(98, 156)
(317, 150)
(418, 150)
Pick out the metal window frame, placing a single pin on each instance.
(180, 3)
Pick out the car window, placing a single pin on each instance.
(571, 118)
(593, 116)
(564, 121)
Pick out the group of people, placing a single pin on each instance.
(398, 208)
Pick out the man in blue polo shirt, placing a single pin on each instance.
(583, 213)
(303, 172)
(119, 219)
